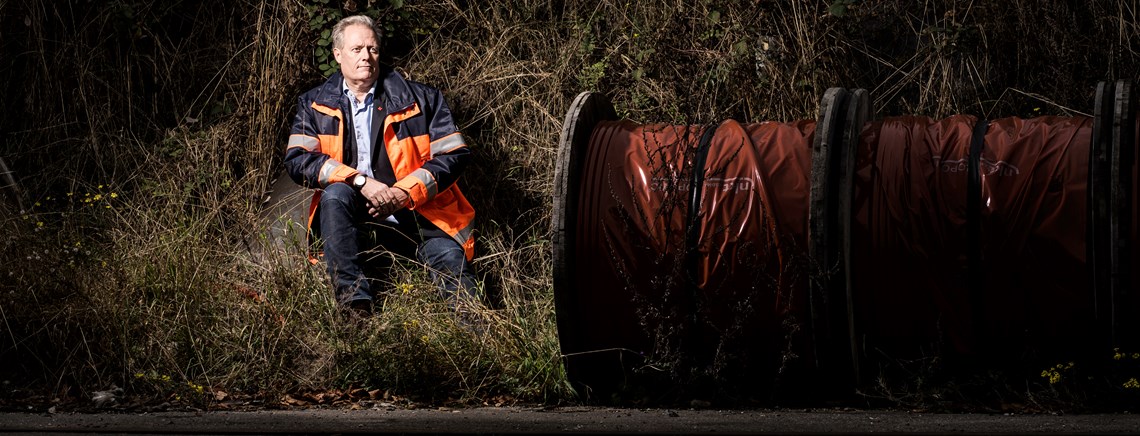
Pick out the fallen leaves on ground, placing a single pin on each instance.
(357, 398)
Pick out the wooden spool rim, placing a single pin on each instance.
(586, 111)
(1097, 241)
(858, 112)
(1120, 210)
(822, 248)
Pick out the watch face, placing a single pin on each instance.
(359, 181)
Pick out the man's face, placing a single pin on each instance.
(359, 55)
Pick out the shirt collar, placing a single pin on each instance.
(351, 97)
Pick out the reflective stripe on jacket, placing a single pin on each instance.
(426, 151)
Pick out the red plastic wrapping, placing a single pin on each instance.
(724, 285)
(912, 283)
(752, 223)
(632, 243)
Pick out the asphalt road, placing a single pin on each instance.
(570, 420)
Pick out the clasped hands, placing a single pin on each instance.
(383, 200)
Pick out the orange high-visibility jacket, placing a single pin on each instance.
(422, 143)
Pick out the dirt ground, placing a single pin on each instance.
(524, 420)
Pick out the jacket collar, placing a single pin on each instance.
(329, 93)
(397, 94)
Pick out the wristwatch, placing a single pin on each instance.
(359, 181)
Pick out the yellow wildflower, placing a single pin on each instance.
(1052, 374)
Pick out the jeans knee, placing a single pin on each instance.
(443, 254)
(338, 194)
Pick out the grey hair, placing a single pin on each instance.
(355, 20)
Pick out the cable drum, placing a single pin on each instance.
(973, 267)
(689, 251)
(771, 256)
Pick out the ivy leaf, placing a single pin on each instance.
(714, 17)
(740, 48)
(838, 9)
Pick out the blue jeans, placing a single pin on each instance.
(350, 234)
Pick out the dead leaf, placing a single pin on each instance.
(291, 401)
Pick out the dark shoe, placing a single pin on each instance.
(360, 308)
(469, 317)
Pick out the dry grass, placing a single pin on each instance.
(174, 116)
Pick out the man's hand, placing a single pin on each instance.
(383, 200)
(400, 198)
(373, 191)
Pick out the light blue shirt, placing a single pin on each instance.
(362, 124)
